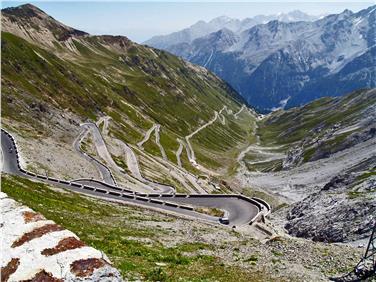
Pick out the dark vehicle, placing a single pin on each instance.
(224, 220)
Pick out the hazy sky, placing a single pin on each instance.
(141, 20)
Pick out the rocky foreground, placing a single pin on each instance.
(37, 249)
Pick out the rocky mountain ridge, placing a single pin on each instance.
(291, 63)
(202, 28)
(342, 211)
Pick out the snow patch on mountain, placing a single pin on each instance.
(202, 28)
(282, 104)
(265, 63)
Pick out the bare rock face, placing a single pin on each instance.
(342, 211)
(293, 158)
(37, 249)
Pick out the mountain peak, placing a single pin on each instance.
(298, 13)
(200, 22)
(305, 53)
(30, 7)
(25, 11)
(347, 12)
(25, 18)
(222, 38)
(224, 31)
(221, 34)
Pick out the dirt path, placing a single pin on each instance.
(156, 128)
(137, 180)
(157, 140)
(102, 148)
(190, 151)
(264, 154)
(179, 151)
(104, 154)
(146, 136)
(188, 146)
(222, 119)
(132, 162)
(105, 121)
(188, 180)
(238, 112)
(144, 185)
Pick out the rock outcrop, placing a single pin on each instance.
(37, 249)
(342, 211)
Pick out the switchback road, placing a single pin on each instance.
(241, 210)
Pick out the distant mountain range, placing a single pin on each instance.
(287, 61)
(202, 28)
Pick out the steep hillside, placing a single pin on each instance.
(358, 73)
(321, 128)
(89, 64)
(55, 77)
(291, 63)
(320, 160)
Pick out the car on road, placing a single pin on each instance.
(224, 220)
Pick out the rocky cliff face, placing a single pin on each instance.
(297, 61)
(358, 73)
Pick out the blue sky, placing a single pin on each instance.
(141, 20)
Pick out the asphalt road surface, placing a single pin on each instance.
(240, 210)
(103, 170)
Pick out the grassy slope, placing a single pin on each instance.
(214, 145)
(313, 120)
(109, 228)
(137, 87)
(290, 126)
(137, 79)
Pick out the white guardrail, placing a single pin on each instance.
(263, 207)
